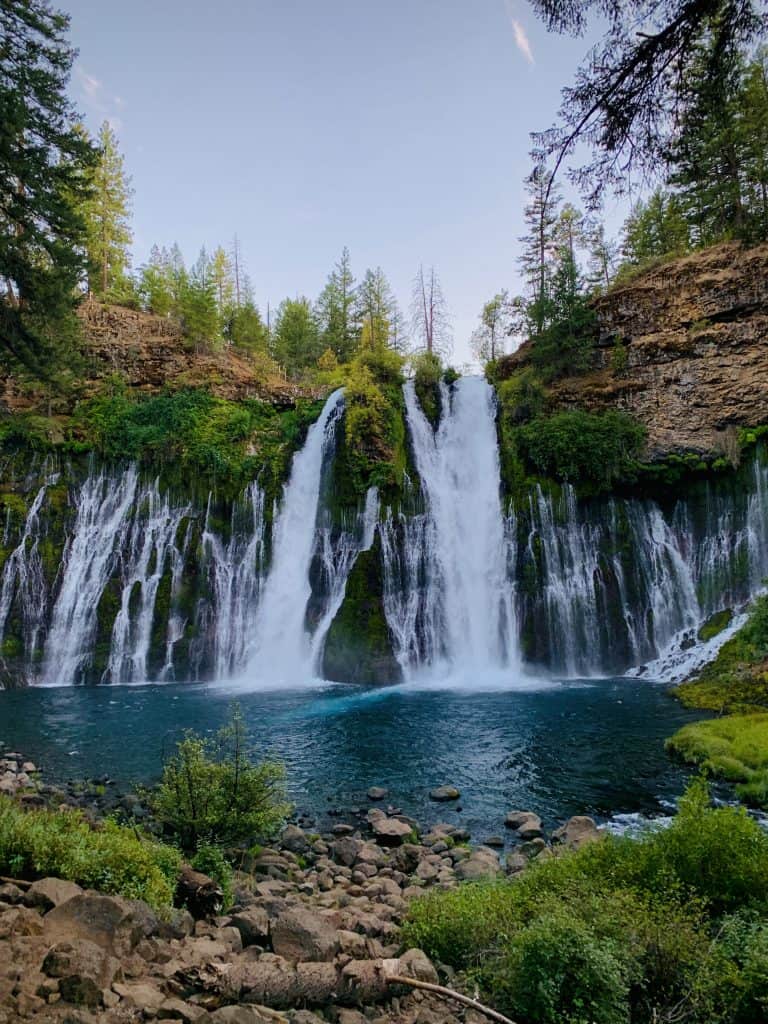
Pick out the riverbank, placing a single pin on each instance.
(315, 921)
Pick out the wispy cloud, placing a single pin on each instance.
(96, 98)
(522, 41)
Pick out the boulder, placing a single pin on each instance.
(176, 1009)
(294, 839)
(142, 995)
(481, 863)
(201, 895)
(391, 831)
(378, 793)
(248, 1015)
(83, 970)
(576, 832)
(443, 794)
(10, 893)
(253, 925)
(108, 921)
(50, 892)
(300, 934)
(346, 849)
(525, 823)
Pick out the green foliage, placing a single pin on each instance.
(427, 374)
(297, 344)
(211, 861)
(593, 449)
(212, 440)
(655, 228)
(112, 858)
(624, 929)
(734, 748)
(44, 163)
(619, 358)
(715, 625)
(212, 791)
(564, 344)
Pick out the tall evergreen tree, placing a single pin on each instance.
(199, 314)
(374, 309)
(106, 213)
(541, 217)
(44, 162)
(489, 338)
(296, 338)
(753, 116)
(223, 281)
(655, 228)
(336, 309)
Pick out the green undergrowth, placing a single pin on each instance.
(737, 680)
(734, 748)
(624, 930)
(111, 858)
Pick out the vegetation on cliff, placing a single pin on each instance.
(624, 929)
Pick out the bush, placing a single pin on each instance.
(385, 364)
(211, 792)
(211, 861)
(113, 858)
(597, 450)
(427, 374)
(624, 929)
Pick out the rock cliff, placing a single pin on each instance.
(696, 337)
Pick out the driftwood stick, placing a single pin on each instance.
(449, 993)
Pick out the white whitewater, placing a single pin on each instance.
(469, 623)
(103, 504)
(281, 648)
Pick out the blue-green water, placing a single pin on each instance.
(591, 747)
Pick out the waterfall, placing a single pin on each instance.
(103, 503)
(281, 648)
(23, 576)
(456, 555)
(148, 540)
(237, 571)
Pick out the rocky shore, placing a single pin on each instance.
(312, 936)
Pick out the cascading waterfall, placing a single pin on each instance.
(149, 537)
(281, 649)
(103, 504)
(466, 615)
(237, 571)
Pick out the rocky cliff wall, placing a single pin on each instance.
(696, 338)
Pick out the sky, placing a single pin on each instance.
(399, 129)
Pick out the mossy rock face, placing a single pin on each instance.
(715, 625)
(358, 648)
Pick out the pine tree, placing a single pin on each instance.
(753, 122)
(296, 340)
(106, 215)
(655, 228)
(44, 171)
(336, 310)
(536, 261)
(199, 315)
(155, 287)
(374, 309)
(603, 256)
(223, 281)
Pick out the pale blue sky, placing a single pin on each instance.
(398, 128)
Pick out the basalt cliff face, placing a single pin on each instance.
(696, 337)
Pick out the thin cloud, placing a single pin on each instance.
(522, 41)
(97, 100)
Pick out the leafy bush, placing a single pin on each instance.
(385, 364)
(212, 792)
(427, 374)
(210, 860)
(624, 929)
(113, 858)
(521, 397)
(584, 448)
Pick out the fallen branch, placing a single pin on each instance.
(449, 993)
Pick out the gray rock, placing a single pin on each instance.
(294, 839)
(245, 1015)
(253, 925)
(50, 892)
(391, 831)
(442, 794)
(480, 864)
(346, 850)
(495, 841)
(11, 894)
(576, 832)
(176, 1009)
(299, 935)
(83, 970)
(525, 823)
(532, 847)
(143, 995)
(378, 793)
(107, 921)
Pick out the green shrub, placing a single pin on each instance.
(210, 860)
(521, 396)
(427, 374)
(212, 792)
(113, 858)
(385, 364)
(598, 450)
(622, 930)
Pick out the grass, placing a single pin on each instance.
(111, 858)
(734, 748)
(622, 930)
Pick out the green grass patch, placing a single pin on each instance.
(734, 748)
(113, 858)
(622, 930)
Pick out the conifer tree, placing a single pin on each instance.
(106, 214)
(336, 309)
(489, 338)
(374, 309)
(44, 164)
(296, 340)
(223, 281)
(541, 213)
